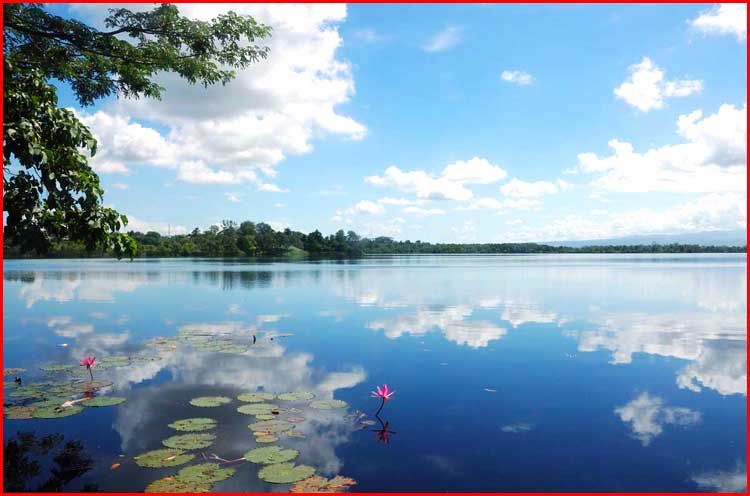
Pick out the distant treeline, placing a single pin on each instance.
(249, 239)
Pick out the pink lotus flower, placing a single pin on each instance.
(383, 393)
(88, 362)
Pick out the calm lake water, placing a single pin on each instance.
(512, 373)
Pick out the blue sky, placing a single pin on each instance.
(448, 123)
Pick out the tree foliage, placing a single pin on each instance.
(51, 194)
(249, 239)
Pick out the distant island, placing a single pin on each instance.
(249, 239)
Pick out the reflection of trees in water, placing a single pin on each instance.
(22, 459)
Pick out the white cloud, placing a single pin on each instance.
(520, 78)
(723, 481)
(708, 213)
(647, 416)
(232, 197)
(452, 322)
(364, 207)
(495, 204)
(421, 184)
(278, 205)
(713, 159)
(423, 212)
(443, 40)
(368, 35)
(396, 201)
(228, 134)
(521, 189)
(474, 171)
(450, 185)
(121, 186)
(646, 88)
(724, 18)
(272, 188)
(136, 224)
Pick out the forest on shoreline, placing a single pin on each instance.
(249, 239)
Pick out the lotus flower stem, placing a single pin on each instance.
(382, 404)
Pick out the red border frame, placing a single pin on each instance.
(747, 253)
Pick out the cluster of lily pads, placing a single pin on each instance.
(62, 391)
(272, 422)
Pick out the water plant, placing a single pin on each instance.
(204, 473)
(88, 362)
(168, 457)
(189, 441)
(318, 484)
(327, 404)
(384, 394)
(193, 424)
(284, 473)
(100, 401)
(271, 454)
(173, 485)
(210, 401)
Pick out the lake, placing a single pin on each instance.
(512, 373)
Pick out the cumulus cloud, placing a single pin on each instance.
(453, 322)
(724, 18)
(140, 225)
(229, 134)
(521, 189)
(443, 40)
(450, 185)
(521, 78)
(495, 204)
(646, 87)
(423, 212)
(232, 197)
(366, 207)
(712, 159)
(647, 416)
(723, 481)
(708, 213)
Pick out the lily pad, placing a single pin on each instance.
(295, 410)
(58, 368)
(256, 397)
(50, 412)
(189, 441)
(266, 438)
(296, 396)
(172, 485)
(256, 408)
(100, 401)
(271, 454)
(295, 420)
(271, 426)
(87, 386)
(328, 404)
(204, 473)
(26, 392)
(169, 457)
(13, 371)
(318, 484)
(296, 434)
(18, 412)
(210, 401)
(193, 424)
(284, 473)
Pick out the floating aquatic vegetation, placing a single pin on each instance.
(50, 412)
(193, 424)
(295, 410)
(295, 420)
(258, 397)
(13, 371)
(271, 426)
(87, 386)
(271, 454)
(18, 412)
(296, 396)
(10, 384)
(169, 457)
(210, 401)
(284, 473)
(296, 434)
(257, 408)
(367, 423)
(328, 404)
(100, 401)
(318, 484)
(266, 438)
(189, 441)
(173, 485)
(265, 416)
(204, 473)
(24, 392)
(50, 401)
(58, 368)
